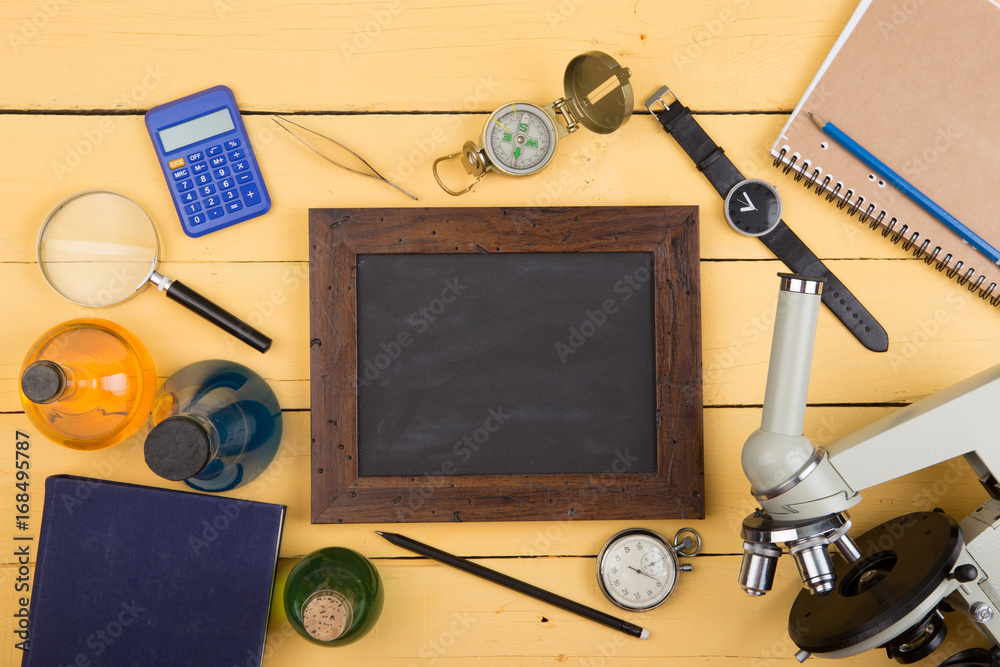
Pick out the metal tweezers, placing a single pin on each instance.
(377, 176)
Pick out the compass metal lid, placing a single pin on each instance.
(598, 92)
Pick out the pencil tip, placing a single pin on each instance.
(380, 533)
(810, 114)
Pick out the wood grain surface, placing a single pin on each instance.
(403, 83)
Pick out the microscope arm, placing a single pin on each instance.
(963, 419)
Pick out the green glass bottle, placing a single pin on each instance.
(333, 596)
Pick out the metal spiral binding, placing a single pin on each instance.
(920, 248)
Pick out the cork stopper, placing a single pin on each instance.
(326, 615)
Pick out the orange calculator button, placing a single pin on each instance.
(179, 162)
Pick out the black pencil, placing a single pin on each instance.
(516, 584)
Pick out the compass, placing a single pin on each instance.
(520, 138)
(637, 568)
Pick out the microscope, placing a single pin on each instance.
(889, 587)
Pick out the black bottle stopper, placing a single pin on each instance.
(43, 382)
(177, 448)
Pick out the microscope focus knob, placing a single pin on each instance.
(964, 573)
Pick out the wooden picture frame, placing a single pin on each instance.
(669, 234)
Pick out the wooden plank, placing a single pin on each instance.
(951, 486)
(638, 165)
(394, 55)
(929, 320)
(438, 615)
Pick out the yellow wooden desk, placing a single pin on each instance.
(404, 82)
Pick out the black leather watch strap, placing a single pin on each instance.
(711, 160)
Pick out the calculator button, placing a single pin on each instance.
(206, 190)
(179, 162)
(218, 161)
(250, 194)
(181, 174)
(245, 177)
(199, 168)
(230, 195)
(189, 197)
(234, 206)
(226, 183)
(192, 208)
(242, 165)
(184, 185)
(197, 219)
(232, 143)
(196, 157)
(237, 155)
(202, 179)
(214, 150)
(221, 172)
(214, 200)
(214, 213)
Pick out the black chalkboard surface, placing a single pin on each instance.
(505, 363)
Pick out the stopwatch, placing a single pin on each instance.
(520, 138)
(637, 568)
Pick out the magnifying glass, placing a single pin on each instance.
(99, 248)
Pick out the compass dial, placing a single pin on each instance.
(519, 139)
(637, 570)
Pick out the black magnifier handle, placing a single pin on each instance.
(220, 317)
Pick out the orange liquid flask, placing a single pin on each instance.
(87, 384)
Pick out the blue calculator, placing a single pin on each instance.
(206, 157)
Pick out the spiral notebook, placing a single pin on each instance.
(915, 84)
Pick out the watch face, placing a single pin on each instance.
(753, 207)
(519, 139)
(637, 570)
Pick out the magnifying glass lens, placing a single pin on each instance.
(97, 248)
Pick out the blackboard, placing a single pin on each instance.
(472, 364)
(505, 363)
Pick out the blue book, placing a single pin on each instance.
(135, 576)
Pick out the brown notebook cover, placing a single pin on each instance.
(915, 84)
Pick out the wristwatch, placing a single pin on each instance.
(753, 208)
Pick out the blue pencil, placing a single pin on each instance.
(906, 188)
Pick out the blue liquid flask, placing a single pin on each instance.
(217, 426)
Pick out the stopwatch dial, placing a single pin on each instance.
(520, 139)
(638, 572)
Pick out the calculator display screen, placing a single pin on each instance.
(198, 129)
